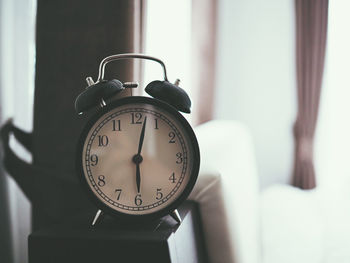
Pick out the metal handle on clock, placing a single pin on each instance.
(105, 61)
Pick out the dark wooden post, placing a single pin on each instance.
(71, 39)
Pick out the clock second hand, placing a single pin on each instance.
(138, 158)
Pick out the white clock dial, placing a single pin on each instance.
(137, 158)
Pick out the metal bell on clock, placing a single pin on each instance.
(170, 93)
(97, 92)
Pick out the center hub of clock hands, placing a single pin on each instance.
(137, 159)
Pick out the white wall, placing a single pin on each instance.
(333, 140)
(256, 78)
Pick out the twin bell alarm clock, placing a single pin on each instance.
(137, 157)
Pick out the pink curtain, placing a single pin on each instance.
(204, 32)
(311, 35)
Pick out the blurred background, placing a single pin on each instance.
(238, 60)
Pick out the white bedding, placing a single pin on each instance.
(227, 192)
(305, 226)
(282, 224)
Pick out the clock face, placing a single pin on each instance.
(139, 157)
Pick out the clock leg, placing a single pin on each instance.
(175, 214)
(98, 215)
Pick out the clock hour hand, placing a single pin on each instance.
(138, 177)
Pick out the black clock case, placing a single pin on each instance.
(195, 169)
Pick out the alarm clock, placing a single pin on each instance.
(137, 157)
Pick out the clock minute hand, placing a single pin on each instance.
(142, 136)
(138, 157)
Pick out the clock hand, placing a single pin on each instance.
(142, 136)
(138, 177)
(138, 158)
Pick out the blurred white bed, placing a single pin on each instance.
(280, 224)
